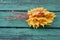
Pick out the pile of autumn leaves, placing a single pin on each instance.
(40, 17)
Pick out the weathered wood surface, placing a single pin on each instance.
(28, 4)
(22, 23)
(29, 34)
(52, 5)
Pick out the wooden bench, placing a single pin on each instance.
(19, 29)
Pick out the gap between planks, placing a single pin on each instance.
(31, 27)
(24, 10)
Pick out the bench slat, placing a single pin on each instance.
(22, 23)
(29, 34)
(29, 4)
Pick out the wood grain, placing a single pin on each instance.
(29, 4)
(29, 34)
(23, 32)
(22, 23)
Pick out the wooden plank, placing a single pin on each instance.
(29, 34)
(22, 23)
(6, 22)
(29, 4)
(33, 1)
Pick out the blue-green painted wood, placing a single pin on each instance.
(22, 23)
(29, 34)
(28, 4)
